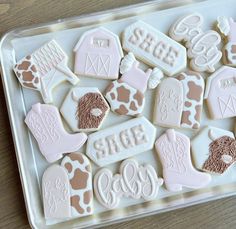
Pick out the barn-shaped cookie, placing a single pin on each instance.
(84, 109)
(98, 54)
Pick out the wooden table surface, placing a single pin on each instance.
(14, 13)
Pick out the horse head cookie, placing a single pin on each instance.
(227, 27)
(84, 109)
(202, 46)
(214, 150)
(134, 181)
(126, 95)
(173, 149)
(44, 69)
(179, 101)
(98, 54)
(79, 172)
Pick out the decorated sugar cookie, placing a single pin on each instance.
(227, 27)
(134, 181)
(79, 172)
(220, 93)
(202, 46)
(214, 150)
(121, 141)
(84, 109)
(126, 95)
(56, 193)
(45, 124)
(173, 149)
(154, 48)
(98, 54)
(44, 69)
(179, 101)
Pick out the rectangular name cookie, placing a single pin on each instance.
(121, 141)
(154, 48)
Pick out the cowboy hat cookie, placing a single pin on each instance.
(45, 124)
(173, 149)
(214, 150)
(154, 48)
(84, 109)
(134, 181)
(126, 95)
(220, 93)
(98, 54)
(202, 46)
(79, 172)
(121, 141)
(179, 101)
(44, 69)
(227, 27)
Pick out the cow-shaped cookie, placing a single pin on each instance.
(126, 95)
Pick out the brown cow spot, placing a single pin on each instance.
(185, 118)
(112, 96)
(123, 94)
(196, 126)
(109, 88)
(18, 74)
(198, 110)
(194, 91)
(75, 203)
(27, 76)
(28, 57)
(121, 110)
(139, 97)
(79, 180)
(132, 106)
(24, 65)
(188, 104)
(87, 196)
(36, 80)
(33, 68)
(76, 157)
(88, 168)
(180, 77)
(68, 166)
(30, 85)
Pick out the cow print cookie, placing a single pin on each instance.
(134, 181)
(84, 109)
(154, 48)
(227, 27)
(179, 101)
(44, 69)
(126, 95)
(98, 54)
(56, 193)
(79, 172)
(214, 150)
(173, 148)
(202, 46)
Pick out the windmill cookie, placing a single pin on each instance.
(79, 172)
(227, 27)
(134, 181)
(44, 69)
(121, 141)
(126, 95)
(84, 109)
(220, 93)
(56, 193)
(98, 54)
(45, 123)
(154, 48)
(179, 101)
(214, 150)
(173, 149)
(202, 46)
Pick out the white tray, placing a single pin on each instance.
(20, 42)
